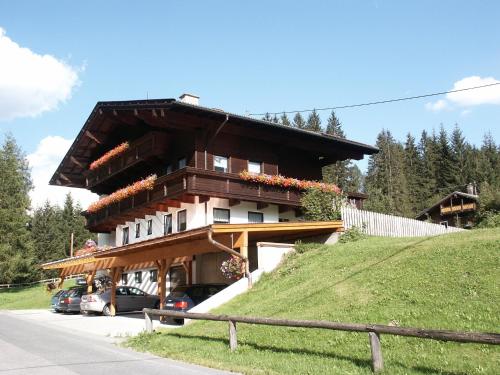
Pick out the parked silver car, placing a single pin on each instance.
(127, 299)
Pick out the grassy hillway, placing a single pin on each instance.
(446, 282)
(30, 297)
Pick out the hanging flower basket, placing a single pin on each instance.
(111, 154)
(288, 182)
(233, 268)
(119, 195)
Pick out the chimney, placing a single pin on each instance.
(190, 99)
(471, 189)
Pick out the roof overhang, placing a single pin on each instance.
(99, 133)
(183, 245)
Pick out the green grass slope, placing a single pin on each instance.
(447, 282)
(33, 297)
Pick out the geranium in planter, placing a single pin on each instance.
(232, 268)
(111, 154)
(119, 195)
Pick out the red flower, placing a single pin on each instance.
(109, 155)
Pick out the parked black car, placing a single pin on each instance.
(70, 300)
(57, 299)
(185, 297)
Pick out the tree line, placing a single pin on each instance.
(406, 177)
(31, 237)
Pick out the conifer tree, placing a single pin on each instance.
(284, 120)
(334, 126)
(313, 122)
(47, 232)
(386, 181)
(446, 169)
(458, 157)
(412, 165)
(339, 172)
(16, 247)
(298, 121)
(267, 117)
(275, 119)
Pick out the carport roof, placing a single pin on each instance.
(181, 245)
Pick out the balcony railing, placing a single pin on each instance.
(447, 210)
(150, 145)
(181, 186)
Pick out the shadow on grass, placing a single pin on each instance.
(362, 363)
(366, 363)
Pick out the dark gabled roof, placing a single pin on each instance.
(451, 195)
(106, 115)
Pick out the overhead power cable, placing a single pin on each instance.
(376, 102)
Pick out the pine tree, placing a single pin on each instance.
(458, 157)
(412, 167)
(73, 222)
(355, 179)
(298, 121)
(334, 126)
(267, 117)
(314, 122)
(284, 120)
(490, 161)
(47, 233)
(275, 119)
(16, 250)
(339, 172)
(386, 181)
(446, 169)
(427, 148)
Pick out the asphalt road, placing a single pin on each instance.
(32, 348)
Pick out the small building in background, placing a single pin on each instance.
(457, 209)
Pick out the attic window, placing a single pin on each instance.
(254, 167)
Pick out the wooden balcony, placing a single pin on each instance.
(448, 210)
(149, 146)
(183, 186)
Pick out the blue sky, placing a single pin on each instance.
(260, 56)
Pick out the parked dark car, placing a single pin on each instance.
(185, 297)
(70, 300)
(54, 301)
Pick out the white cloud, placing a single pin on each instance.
(437, 106)
(31, 84)
(43, 162)
(469, 98)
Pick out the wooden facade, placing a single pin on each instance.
(457, 209)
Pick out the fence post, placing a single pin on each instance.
(149, 322)
(233, 341)
(376, 349)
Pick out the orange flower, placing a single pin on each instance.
(119, 195)
(109, 155)
(286, 182)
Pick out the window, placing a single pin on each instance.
(153, 276)
(221, 215)
(136, 292)
(121, 291)
(181, 221)
(181, 163)
(150, 226)
(137, 230)
(220, 164)
(167, 224)
(125, 236)
(169, 168)
(138, 277)
(255, 217)
(124, 278)
(254, 167)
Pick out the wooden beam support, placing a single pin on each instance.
(162, 280)
(75, 161)
(203, 198)
(93, 137)
(90, 280)
(187, 198)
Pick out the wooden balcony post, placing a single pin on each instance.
(90, 280)
(164, 266)
(112, 306)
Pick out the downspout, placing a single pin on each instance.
(219, 128)
(232, 252)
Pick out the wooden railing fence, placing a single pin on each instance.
(374, 330)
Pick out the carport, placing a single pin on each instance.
(179, 249)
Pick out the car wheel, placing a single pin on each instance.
(107, 310)
(179, 321)
(157, 305)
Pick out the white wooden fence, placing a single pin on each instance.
(376, 224)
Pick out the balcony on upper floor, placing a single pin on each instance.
(185, 185)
